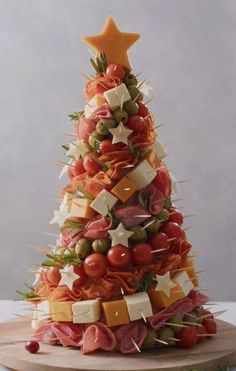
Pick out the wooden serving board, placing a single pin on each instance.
(213, 353)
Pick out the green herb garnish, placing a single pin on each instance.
(99, 63)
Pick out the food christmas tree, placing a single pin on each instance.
(121, 276)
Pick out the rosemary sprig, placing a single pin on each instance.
(144, 199)
(145, 282)
(105, 165)
(71, 224)
(137, 152)
(65, 147)
(60, 260)
(99, 63)
(84, 193)
(28, 294)
(76, 115)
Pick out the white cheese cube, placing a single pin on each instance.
(183, 280)
(160, 150)
(138, 305)
(43, 310)
(117, 96)
(35, 323)
(93, 104)
(86, 311)
(142, 175)
(104, 202)
(66, 202)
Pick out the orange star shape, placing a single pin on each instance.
(113, 43)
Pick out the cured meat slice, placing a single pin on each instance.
(97, 227)
(132, 215)
(131, 337)
(98, 336)
(84, 128)
(102, 112)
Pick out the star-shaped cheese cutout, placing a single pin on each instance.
(68, 276)
(164, 283)
(145, 87)
(77, 150)
(120, 235)
(60, 217)
(120, 134)
(113, 43)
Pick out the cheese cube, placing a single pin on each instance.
(124, 189)
(115, 312)
(86, 311)
(160, 150)
(35, 323)
(138, 305)
(117, 96)
(81, 208)
(66, 202)
(152, 158)
(61, 311)
(160, 300)
(182, 279)
(43, 310)
(103, 202)
(189, 267)
(93, 104)
(142, 175)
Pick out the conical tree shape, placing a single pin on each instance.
(120, 276)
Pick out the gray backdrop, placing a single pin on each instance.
(187, 51)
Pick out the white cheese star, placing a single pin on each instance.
(68, 276)
(120, 134)
(120, 235)
(77, 149)
(144, 88)
(164, 283)
(59, 217)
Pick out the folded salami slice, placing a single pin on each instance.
(97, 227)
(84, 128)
(102, 112)
(132, 215)
(98, 336)
(131, 337)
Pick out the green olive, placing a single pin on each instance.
(165, 333)
(167, 203)
(153, 225)
(101, 246)
(198, 313)
(176, 323)
(94, 137)
(131, 107)
(120, 115)
(130, 79)
(103, 125)
(149, 341)
(164, 215)
(135, 93)
(83, 247)
(139, 234)
(190, 319)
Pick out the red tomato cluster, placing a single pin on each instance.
(190, 335)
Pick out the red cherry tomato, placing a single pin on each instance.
(136, 123)
(187, 336)
(115, 70)
(106, 146)
(160, 241)
(175, 216)
(201, 331)
(172, 230)
(78, 167)
(180, 247)
(143, 109)
(207, 313)
(141, 253)
(90, 165)
(82, 276)
(210, 326)
(95, 265)
(119, 256)
(162, 181)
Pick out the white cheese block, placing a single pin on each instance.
(66, 202)
(43, 310)
(160, 150)
(142, 175)
(138, 305)
(103, 202)
(183, 280)
(86, 311)
(117, 96)
(35, 323)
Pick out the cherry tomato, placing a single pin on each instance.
(136, 123)
(207, 313)
(143, 109)
(78, 167)
(210, 326)
(141, 253)
(90, 165)
(106, 146)
(95, 265)
(119, 256)
(172, 230)
(115, 70)
(162, 181)
(32, 346)
(187, 336)
(160, 241)
(175, 216)
(201, 331)
(82, 276)
(180, 247)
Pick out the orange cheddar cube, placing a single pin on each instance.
(115, 312)
(124, 189)
(160, 300)
(189, 267)
(61, 311)
(80, 207)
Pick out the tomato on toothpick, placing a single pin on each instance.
(115, 70)
(82, 276)
(210, 326)
(175, 216)
(106, 146)
(95, 265)
(160, 241)
(90, 164)
(136, 123)
(201, 331)
(172, 230)
(187, 337)
(162, 181)
(78, 167)
(180, 247)
(119, 256)
(141, 253)
(143, 109)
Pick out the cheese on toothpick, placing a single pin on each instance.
(61, 311)
(124, 189)
(120, 134)
(138, 305)
(142, 174)
(103, 202)
(120, 235)
(81, 208)
(115, 312)
(117, 96)
(86, 311)
(183, 280)
(93, 104)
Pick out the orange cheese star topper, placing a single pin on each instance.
(113, 43)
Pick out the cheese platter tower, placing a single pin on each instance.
(121, 275)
